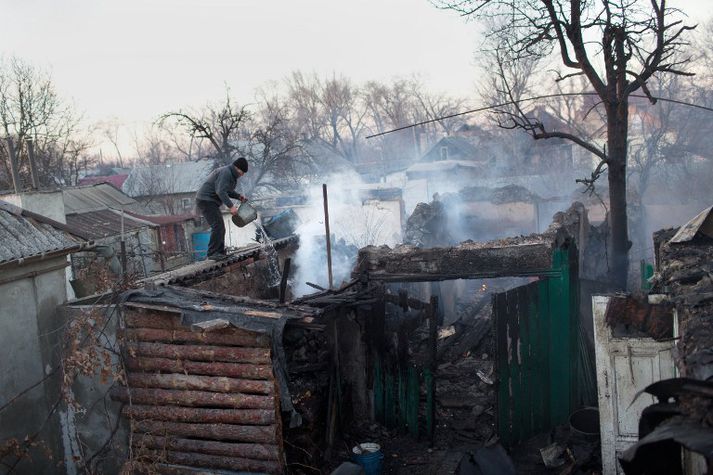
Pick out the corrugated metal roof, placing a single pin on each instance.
(24, 235)
(169, 219)
(183, 177)
(94, 197)
(116, 180)
(104, 223)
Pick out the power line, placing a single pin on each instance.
(530, 99)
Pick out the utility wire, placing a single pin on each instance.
(530, 99)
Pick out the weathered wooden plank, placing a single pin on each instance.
(200, 383)
(200, 415)
(232, 370)
(201, 352)
(157, 320)
(192, 398)
(229, 336)
(219, 462)
(210, 447)
(258, 434)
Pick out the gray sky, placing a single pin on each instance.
(135, 59)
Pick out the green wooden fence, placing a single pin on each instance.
(536, 345)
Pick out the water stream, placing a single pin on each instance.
(273, 266)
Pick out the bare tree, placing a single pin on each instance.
(277, 160)
(617, 46)
(329, 112)
(31, 110)
(220, 125)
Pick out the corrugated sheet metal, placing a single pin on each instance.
(24, 235)
(104, 223)
(168, 219)
(94, 197)
(184, 177)
(116, 180)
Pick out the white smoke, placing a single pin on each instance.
(354, 223)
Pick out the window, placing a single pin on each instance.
(186, 203)
(444, 153)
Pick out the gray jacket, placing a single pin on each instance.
(219, 187)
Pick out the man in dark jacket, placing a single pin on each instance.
(218, 188)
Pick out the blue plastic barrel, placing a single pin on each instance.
(370, 458)
(200, 245)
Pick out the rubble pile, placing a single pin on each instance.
(503, 194)
(465, 391)
(685, 272)
(307, 357)
(427, 226)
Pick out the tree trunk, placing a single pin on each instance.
(617, 132)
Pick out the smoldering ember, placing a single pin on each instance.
(374, 278)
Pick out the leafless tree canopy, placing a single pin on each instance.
(31, 110)
(616, 45)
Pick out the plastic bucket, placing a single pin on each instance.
(200, 245)
(369, 456)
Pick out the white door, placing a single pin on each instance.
(624, 367)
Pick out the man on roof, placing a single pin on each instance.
(217, 189)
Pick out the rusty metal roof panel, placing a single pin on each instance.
(205, 269)
(104, 223)
(24, 235)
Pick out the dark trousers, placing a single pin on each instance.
(211, 211)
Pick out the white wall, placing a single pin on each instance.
(46, 203)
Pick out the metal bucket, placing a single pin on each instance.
(584, 423)
(246, 214)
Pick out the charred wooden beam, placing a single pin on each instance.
(201, 352)
(229, 336)
(465, 261)
(406, 301)
(191, 398)
(232, 370)
(215, 461)
(200, 415)
(257, 434)
(201, 383)
(241, 450)
(171, 469)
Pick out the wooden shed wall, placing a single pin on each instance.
(201, 400)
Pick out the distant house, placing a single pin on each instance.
(81, 199)
(33, 258)
(167, 189)
(174, 237)
(106, 215)
(115, 180)
(452, 148)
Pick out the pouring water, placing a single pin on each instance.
(273, 267)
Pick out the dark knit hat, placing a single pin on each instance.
(242, 164)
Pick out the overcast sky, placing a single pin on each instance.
(135, 59)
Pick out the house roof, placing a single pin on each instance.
(104, 223)
(457, 146)
(94, 197)
(168, 179)
(116, 180)
(168, 219)
(25, 235)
